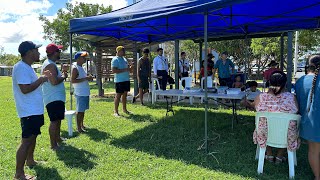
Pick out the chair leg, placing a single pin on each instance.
(295, 158)
(261, 160)
(257, 152)
(70, 130)
(291, 164)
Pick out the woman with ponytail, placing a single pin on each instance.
(308, 96)
(277, 99)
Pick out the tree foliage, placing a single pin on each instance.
(57, 30)
(9, 59)
(309, 39)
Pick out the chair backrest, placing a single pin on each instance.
(278, 124)
(152, 85)
(209, 82)
(188, 82)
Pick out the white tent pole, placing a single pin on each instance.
(70, 39)
(296, 50)
(206, 80)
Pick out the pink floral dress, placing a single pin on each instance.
(283, 102)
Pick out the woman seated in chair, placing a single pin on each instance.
(277, 99)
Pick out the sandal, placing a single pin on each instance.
(269, 158)
(280, 160)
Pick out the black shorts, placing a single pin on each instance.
(56, 110)
(122, 87)
(31, 125)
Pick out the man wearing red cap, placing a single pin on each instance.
(54, 95)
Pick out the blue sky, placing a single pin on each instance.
(19, 20)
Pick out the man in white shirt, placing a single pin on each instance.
(54, 95)
(29, 104)
(183, 67)
(160, 69)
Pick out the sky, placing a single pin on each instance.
(19, 20)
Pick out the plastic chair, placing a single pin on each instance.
(278, 124)
(69, 116)
(209, 85)
(188, 82)
(153, 89)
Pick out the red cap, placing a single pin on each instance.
(51, 48)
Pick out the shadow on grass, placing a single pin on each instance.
(96, 135)
(179, 136)
(47, 173)
(76, 158)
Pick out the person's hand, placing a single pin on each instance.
(65, 74)
(159, 77)
(47, 73)
(89, 77)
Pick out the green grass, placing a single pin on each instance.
(146, 145)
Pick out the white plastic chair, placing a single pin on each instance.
(278, 124)
(153, 89)
(188, 82)
(209, 85)
(69, 116)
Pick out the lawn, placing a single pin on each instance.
(146, 145)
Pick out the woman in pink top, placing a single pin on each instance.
(276, 100)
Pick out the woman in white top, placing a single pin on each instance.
(79, 79)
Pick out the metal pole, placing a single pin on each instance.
(246, 59)
(206, 80)
(135, 69)
(289, 61)
(176, 63)
(281, 52)
(71, 90)
(296, 50)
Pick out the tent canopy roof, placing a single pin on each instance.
(163, 20)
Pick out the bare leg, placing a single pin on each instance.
(82, 126)
(58, 137)
(30, 159)
(269, 151)
(141, 95)
(80, 116)
(314, 158)
(124, 101)
(280, 152)
(53, 134)
(116, 102)
(22, 154)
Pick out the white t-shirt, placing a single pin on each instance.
(26, 104)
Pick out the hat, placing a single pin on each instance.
(26, 46)
(119, 48)
(272, 63)
(51, 48)
(81, 53)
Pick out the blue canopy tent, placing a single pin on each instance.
(162, 20)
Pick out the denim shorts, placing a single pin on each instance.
(82, 103)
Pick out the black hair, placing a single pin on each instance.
(278, 80)
(238, 75)
(314, 61)
(253, 83)
(225, 53)
(145, 50)
(159, 49)
(182, 53)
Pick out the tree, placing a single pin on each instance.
(57, 31)
(309, 39)
(9, 59)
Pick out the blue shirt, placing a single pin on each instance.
(120, 63)
(224, 69)
(310, 121)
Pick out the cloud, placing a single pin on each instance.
(116, 4)
(19, 21)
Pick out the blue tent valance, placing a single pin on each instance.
(163, 20)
